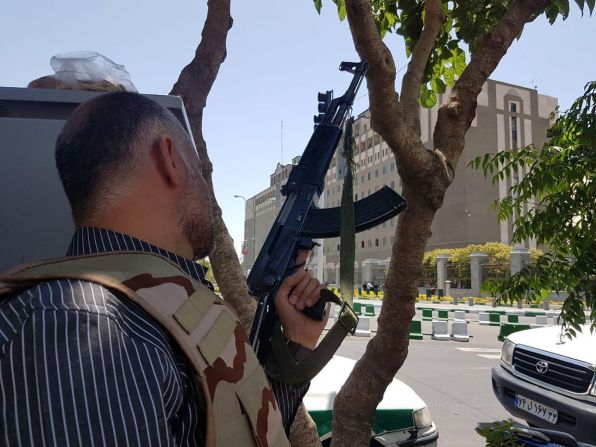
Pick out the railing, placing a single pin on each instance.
(459, 275)
(495, 271)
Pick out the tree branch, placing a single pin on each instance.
(455, 117)
(410, 86)
(193, 85)
(385, 108)
(386, 352)
(197, 78)
(381, 67)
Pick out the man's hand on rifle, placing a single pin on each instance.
(296, 292)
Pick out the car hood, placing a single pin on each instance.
(582, 347)
(325, 386)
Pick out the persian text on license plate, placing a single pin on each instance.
(536, 408)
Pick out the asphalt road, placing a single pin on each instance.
(453, 378)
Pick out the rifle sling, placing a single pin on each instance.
(281, 364)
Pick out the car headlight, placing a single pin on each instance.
(507, 352)
(423, 418)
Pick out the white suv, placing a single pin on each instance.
(549, 380)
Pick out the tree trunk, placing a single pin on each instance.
(364, 389)
(347, 226)
(426, 176)
(304, 430)
(193, 85)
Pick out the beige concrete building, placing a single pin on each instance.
(260, 213)
(507, 116)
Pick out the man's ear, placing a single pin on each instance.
(167, 161)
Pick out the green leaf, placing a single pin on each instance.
(564, 8)
(458, 61)
(318, 5)
(591, 4)
(391, 18)
(341, 10)
(449, 76)
(428, 98)
(438, 85)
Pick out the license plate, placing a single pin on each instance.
(536, 408)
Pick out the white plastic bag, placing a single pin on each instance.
(89, 66)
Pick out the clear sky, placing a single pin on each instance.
(280, 53)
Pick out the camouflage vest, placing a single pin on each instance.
(240, 406)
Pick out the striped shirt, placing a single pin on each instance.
(81, 365)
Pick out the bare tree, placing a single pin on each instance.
(193, 85)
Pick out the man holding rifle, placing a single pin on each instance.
(122, 342)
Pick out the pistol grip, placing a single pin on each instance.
(316, 312)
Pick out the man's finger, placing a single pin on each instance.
(311, 292)
(291, 281)
(298, 290)
(302, 256)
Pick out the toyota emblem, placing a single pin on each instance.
(542, 367)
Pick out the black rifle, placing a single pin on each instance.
(300, 221)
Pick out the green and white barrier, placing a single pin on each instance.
(416, 330)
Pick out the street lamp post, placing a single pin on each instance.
(254, 224)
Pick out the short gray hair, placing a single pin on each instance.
(102, 143)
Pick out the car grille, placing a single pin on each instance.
(560, 373)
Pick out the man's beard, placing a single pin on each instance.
(195, 218)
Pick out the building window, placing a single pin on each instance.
(392, 184)
(513, 131)
(384, 170)
(362, 244)
(513, 107)
(356, 197)
(337, 247)
(368, 175)
(376, 242)
(376, 173)
(377, 139)
(369, 143)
